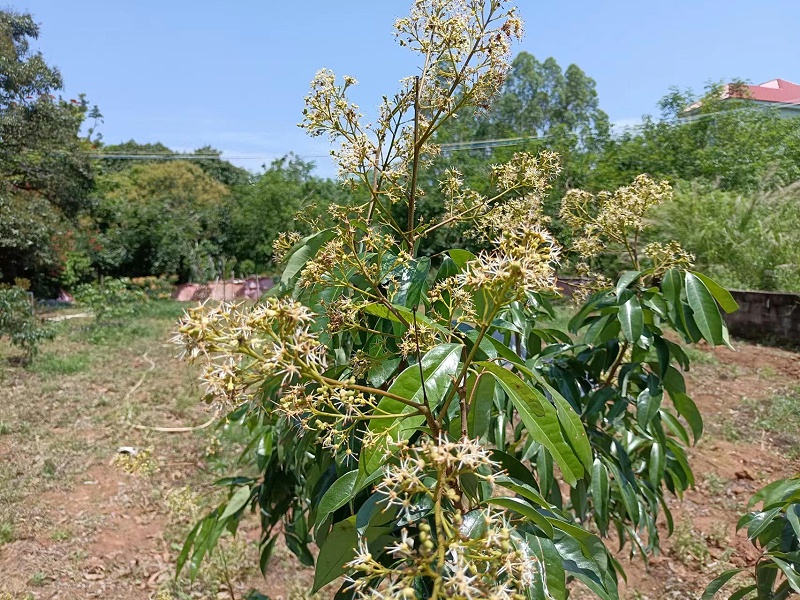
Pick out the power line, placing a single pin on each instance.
(445, 147)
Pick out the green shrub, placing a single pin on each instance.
(18, 321)
(111, 299)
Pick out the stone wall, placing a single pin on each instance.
(770, 315)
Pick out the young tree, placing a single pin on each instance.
(409, 419)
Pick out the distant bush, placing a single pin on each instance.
(749, 241)
(19, 322)
(111, 299)
(247, 267)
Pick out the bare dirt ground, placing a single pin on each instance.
(76, 522)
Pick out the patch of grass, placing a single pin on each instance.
(715, 484)
(729, 431)
(60, 364)
(779, 416)
(37, 579)
(698, 356)
(718, 536)
(5, 428)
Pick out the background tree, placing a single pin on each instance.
(272, 203)
(160, 218)
(221, 170)
(732, 143)
(45, 174)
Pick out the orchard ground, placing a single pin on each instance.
(80, 520)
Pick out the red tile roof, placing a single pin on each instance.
(776, 90)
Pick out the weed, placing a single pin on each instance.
(729, 430)
(5, 428)
(6, 533)
(715, 484)
(779, 416)
(701, 357)
(767, 372)
(689, 546)
(61, 535)
(49, 468)
(718, 536)
(37, 578)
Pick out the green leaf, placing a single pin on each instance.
(439, 365)
(631, 320)
(187, 547)
(461, 257)
(718, 582)
(302, 252)
(672, 285)
(760, 522)
(339, 549)
(525, 490)
(513, 467)
(647, 406)
(792, 576)
(540, 418)
(570, 422)
(720, 294)
(657, 460)
(550, 559)
(793, 515)
(775, 492)
(340, 493)
(239, 498)
(704, 309)
(739, 594)
(627, 278)
(688, 410)
(600, 488)
(411, 281)
(480, 410)
(526, 510)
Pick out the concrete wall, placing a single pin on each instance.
(223, 290)
(774, 315)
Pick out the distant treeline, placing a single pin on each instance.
(68, 216)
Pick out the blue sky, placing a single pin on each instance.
(233, 74)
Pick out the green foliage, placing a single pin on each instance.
(18, 321)
(745, 240)
(156, 288)
(775, 532)
(111, 299)
(162, 217)
(732, 143)
(285, 197)
(45, 175)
